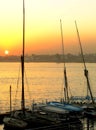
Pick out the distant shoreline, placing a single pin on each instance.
(89, 58)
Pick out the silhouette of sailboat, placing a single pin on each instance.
(16, 120)
(91, 112)
(24, 118)
(67, 110)
(66, 103)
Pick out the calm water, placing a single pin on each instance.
(43, 81)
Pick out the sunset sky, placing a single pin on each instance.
(43, 34)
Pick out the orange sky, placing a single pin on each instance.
(43, 27)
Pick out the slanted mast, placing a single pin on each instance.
(65, 75)
(85, 68)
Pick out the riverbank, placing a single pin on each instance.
(91, 58)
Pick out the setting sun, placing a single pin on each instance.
(42, 27)
(6, 52)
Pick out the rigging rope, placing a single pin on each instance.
(28, 86)
(17, 87)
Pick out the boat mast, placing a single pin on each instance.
(22, 60)
(85, 68)
(65, 75)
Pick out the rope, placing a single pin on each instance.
(17, 87)
(28, 86)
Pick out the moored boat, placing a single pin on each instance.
(24, 118)
(14, 123)
(87, 112)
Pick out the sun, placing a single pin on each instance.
(6, 52)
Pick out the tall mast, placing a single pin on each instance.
(65, 75)
(85, 68)
(22, 60)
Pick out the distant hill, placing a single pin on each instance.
(50, 58)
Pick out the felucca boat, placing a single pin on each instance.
(66, 112)
(90, 108)
(74, 110)
(21, 119)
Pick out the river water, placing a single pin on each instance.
(43, 81)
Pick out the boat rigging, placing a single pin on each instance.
(65, 75)
(85, 68)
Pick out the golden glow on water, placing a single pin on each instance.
(43, 81)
